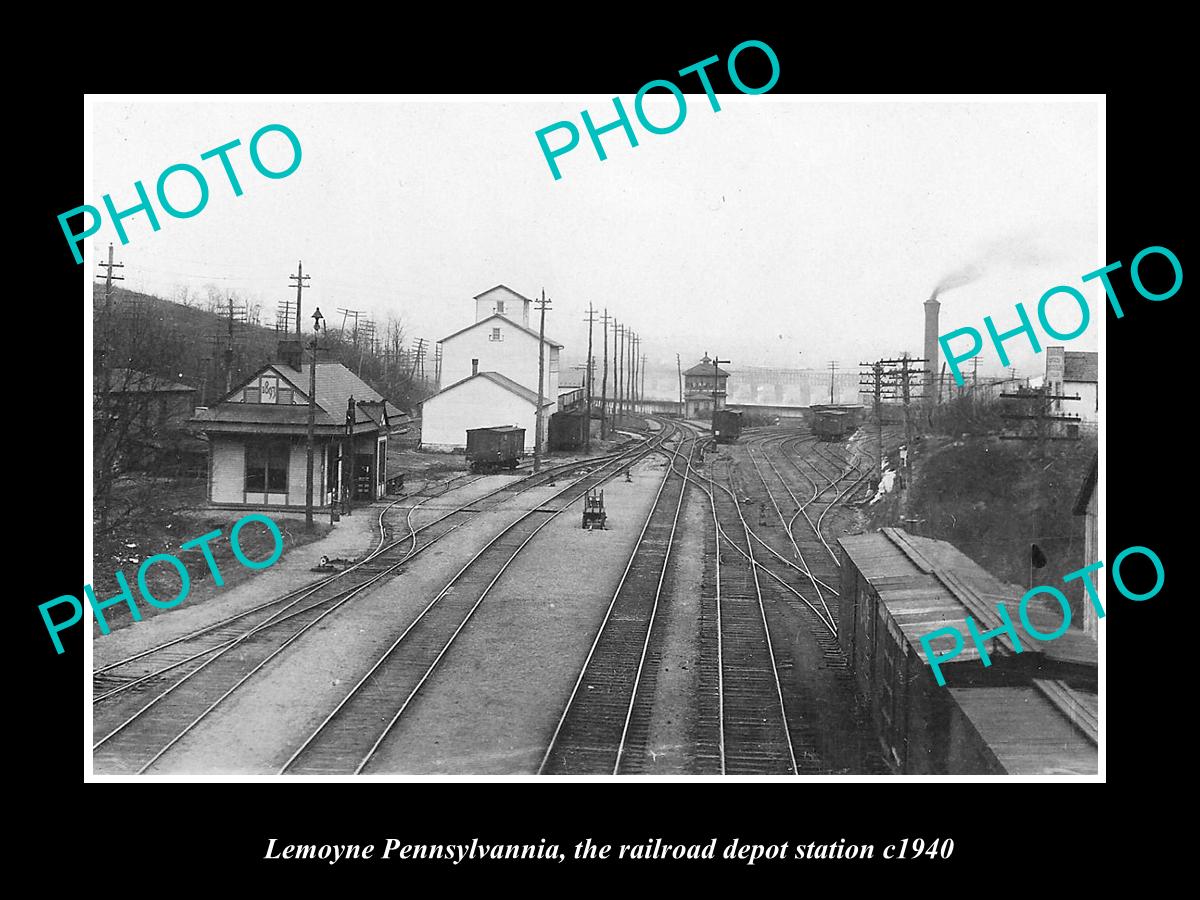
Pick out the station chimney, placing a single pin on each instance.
(933, 366)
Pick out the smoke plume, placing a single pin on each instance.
(1016, 250)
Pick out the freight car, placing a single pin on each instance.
(1028, 713)
(499, 447)
(830, 424)
(727, 426)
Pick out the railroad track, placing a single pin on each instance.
(755, 736)
(122, 676)
(348, 739)
(604, 727)
(147, 702)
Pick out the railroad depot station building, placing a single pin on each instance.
(699, 382)
(491, 369)
(257, 436)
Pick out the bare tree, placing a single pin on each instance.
(185, 296)
(133, 346)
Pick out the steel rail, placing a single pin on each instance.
(619, 463)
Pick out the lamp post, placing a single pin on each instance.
(312, 420)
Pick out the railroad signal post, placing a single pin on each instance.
(716, 383)
(312, 421)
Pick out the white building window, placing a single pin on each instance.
(500, 306)
(496, 335)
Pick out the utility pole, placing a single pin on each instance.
(238, 313)
(604, 382)
(312, 416)
(619, 356)
(301, 283)
(833, 367)
(873, 384)
(633, 371)
(716, 381)
(109, 277)
(1042, 402)
(642, 390)
(537, 437)
(587, 427)
(418, 359)
(679, 369)
(283, 315)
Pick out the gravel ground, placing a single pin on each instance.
(207, 603)
(678, 627)
(260, 725)
(493, 703)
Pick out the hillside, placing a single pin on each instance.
(188, 343)
(992, 498)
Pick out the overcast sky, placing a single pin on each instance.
(777, 231)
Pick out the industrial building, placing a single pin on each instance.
(1075, 373)
(704, 389)
(491, 368)
(257, 436)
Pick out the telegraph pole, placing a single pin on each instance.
(620, 358)
(679, 369)
(833, 367)
(604, 382)
(587, 433)
(633, 369)
(109, 277)
(537, 438)
(301, 283)
(418, 359)
(874, 385)
(642, 391)
(1043, 404)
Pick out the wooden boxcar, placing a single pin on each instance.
(499, 447)
(833, 424)
(1028, 713)
(727, 426)
(568, 429)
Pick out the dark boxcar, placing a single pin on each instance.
(499, 447)
(832, 424)
(568, 429)
(727, 426)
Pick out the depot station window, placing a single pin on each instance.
(267, 467)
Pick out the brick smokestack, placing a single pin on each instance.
(934, 365)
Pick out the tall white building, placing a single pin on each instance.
(491, 372)
(1075, 373)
